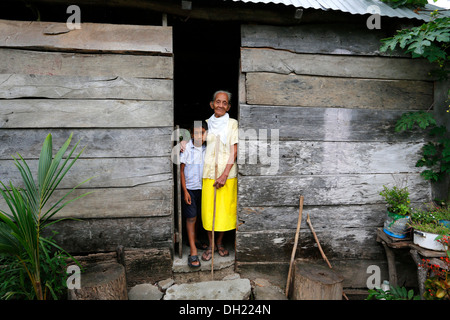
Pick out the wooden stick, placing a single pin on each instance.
(216, 168)
(317, 241)
(294, 249)
(320, 248)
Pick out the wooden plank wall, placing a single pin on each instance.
(112, 86)
(334, 101)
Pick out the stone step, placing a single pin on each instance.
(223, 266)
(230, 288)
(237, 289)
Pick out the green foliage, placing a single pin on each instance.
(406, 3)
(395, 293)
(431, 227)
(397, 200)
(430, 41)
(15, 283)
(436, 153)
(430, 214)
(410, 120)
(437, 286)
(437, 289)
(30, 212)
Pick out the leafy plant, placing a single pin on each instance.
(397, 200)
(431, 227)
(432, 212)
(31, 211)
(430, 41)
(15, 284)
(395, 293)
(436, 153)
(407, 3)
(437, 286)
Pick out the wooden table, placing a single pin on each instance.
(417, 253)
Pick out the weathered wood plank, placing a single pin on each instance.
(309, 91)
(285, 62)
(316, 157)
(260, 218)
(13, 86)
(105, 172)
(148, 200)
(99, 143)
(326, 189)
(103, 235)
(337, 243)
(323, 124)
(65, 113)
(91, 37)
(14, 61)
(342, 38)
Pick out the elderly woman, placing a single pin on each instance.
(223, 130)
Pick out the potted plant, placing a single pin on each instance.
(398, 210)
(427, 228)
(425, 234)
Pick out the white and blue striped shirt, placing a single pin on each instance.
(193, 158)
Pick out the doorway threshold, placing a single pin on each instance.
(223, 266)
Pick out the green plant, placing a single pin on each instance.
(395, 293)
(431, 227)
(437, 286)
(430, 41)
(406, 3)
(15, 284)
(31, 211)
(436, 153)
(397, 200)
(433, 212)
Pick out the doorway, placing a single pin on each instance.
(206, 59)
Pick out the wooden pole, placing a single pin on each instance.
(216, 168)
(294, 249)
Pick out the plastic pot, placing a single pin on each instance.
(395, 225)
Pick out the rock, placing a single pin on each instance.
(269, 293)
(264, 290)
(259, 282)
(232, 276)
(237, 289)
(165, 284)
(145, 291)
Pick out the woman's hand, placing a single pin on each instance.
(220, 182)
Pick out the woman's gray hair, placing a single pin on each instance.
(222, 91)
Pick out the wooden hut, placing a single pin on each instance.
(315, 99)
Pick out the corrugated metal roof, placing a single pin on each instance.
(359, 7)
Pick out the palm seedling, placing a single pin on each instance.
(30, 210)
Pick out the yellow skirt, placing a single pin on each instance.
(226, 203)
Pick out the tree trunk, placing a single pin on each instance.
(316, 282)
(106, 281)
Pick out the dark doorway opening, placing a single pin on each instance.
(206, 59)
